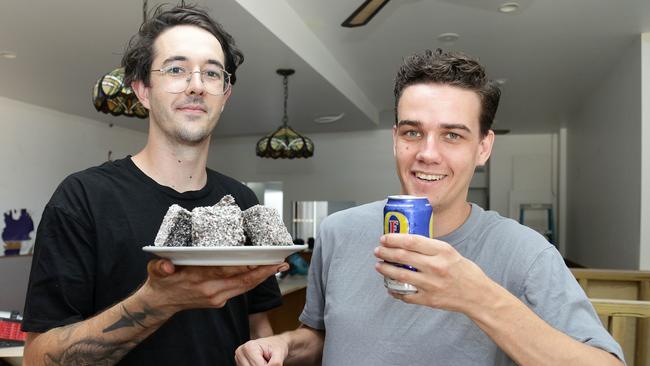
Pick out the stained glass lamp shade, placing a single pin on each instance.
(111, 95)
(284, 142)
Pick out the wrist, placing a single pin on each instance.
(287, 341)
(147, 296)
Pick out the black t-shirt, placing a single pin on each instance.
(88, 256)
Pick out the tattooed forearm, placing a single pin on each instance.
(90, 352)
(66, 331)
(77, 347)
(130, 319)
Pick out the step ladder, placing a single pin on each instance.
(549, 230)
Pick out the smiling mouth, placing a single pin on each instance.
(193, 109)
(429, 177)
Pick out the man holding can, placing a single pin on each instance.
(489, 291)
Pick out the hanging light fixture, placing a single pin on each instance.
(285, 142)
(111, 95)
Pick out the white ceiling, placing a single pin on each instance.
(552, 54)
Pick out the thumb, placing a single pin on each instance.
(160, 267)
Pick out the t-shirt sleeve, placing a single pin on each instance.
(554, 294)
(60, 289)
(313, 313)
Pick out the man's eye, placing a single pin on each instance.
(411, 133)
(213, 74)
(175, 70)
(452, 136)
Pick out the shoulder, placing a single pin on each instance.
(90, 181)
(507, 250)
(80, 192)
(349, 233)
(506, 230)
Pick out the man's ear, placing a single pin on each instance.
(485, 148)
(141, 91)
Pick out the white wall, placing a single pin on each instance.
(351, 166)
(604, 169)
(644, 255)
(39, 147)
(523, 170)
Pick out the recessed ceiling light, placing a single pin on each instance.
(501, 81)
(7, 54)
(328, 119)
(509, 7)
(448, 37)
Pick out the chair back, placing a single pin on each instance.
(629, 328)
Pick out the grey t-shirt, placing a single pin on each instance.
(364, 325)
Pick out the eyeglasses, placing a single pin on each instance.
(216, 81)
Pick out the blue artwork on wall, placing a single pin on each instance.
(16, 235)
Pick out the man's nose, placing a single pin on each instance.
(195, 84)
(429, 150)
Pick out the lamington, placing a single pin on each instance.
(176, 228)
(219, 225)
(263, 226)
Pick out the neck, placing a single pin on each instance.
(447, 220)
(180, 167)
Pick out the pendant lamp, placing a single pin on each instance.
(285, 142)
(111, 95)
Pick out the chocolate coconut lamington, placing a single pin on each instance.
(264, 226)
(176, 228)
(219, 225)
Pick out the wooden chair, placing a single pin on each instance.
(617, 314)
(614, 284)
(621, 285)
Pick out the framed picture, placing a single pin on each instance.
(17, 230)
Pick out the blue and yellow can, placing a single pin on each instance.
(407, 215)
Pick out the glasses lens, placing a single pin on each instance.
(216, 81)
(175, 84)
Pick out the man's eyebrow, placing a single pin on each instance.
(174, 58)
(183, 58)
(408, 122)
(215, 62)
(455, 126)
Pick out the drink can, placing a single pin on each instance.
(406, 215)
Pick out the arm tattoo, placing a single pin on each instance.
(99, 350)
(90, 352)
(127, 320)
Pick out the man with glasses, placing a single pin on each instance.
(94, 296)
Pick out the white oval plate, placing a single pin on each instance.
(226, 255)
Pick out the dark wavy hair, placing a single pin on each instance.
(139, 52)
(453, 68)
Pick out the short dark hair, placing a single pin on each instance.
(453, 68)
(139, 53)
